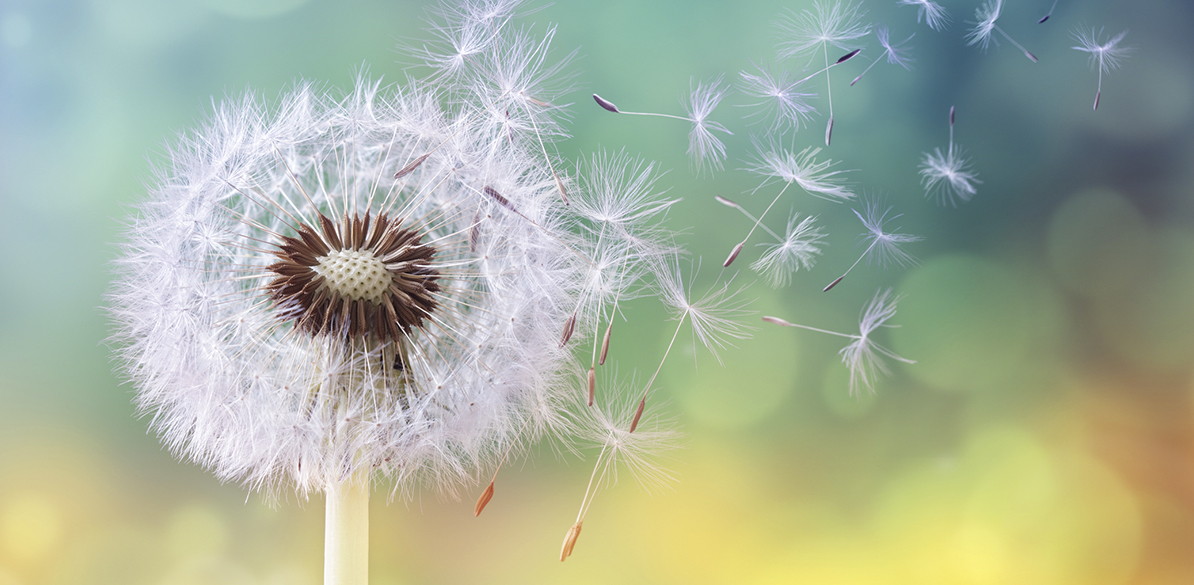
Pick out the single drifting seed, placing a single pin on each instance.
(592, 385)
(883, 244)
(703, 146)
(1105, 56)
(570, 541)
(890, 50)
(946, 174)
(988, 16)
(484, 499)
(1046, 17)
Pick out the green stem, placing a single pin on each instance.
(346, 533)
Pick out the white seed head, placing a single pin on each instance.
(293, 313)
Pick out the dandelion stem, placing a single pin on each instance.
(346, 533)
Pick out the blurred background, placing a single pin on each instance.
(1046, 434)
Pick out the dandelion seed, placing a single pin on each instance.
(947, 175)
(705, 148)
(981, 34)
(1049, 14)
(779, 95)
(828, 23)
(815, 178)
(883, 247)
(863, 356)
(628, 441)
(890, 51)
(929, 12)
(1104, 56)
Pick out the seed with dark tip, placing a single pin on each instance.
(608, 105)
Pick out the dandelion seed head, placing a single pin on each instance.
(293, 313)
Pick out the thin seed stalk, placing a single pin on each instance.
(346, 533)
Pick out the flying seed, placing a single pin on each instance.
(833, 284)
(592, 385)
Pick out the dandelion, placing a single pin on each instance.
(1104, 56)
(929, 12)
(883, 247)
(981, 34)
(828, 23)
(890, 51)
(947, 175)
(383, 284)
(815, 177)
(863, 356)
(705, 148)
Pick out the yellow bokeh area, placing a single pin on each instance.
(1043, 436)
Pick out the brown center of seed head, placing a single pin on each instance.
(360, 277)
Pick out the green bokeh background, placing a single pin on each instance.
(1045, 436)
